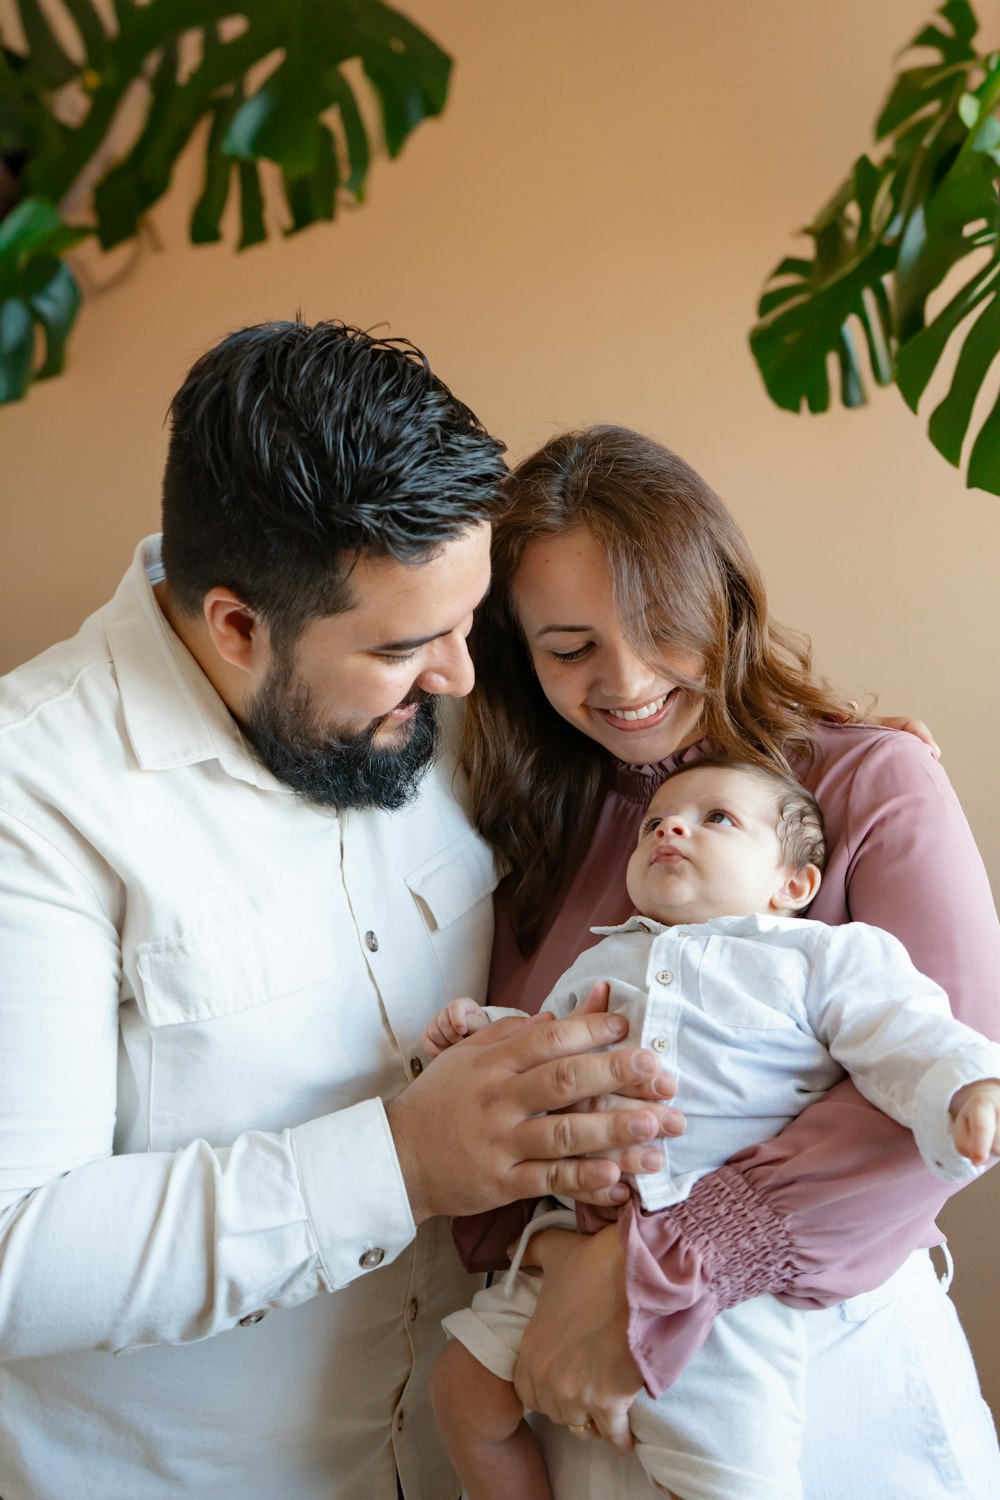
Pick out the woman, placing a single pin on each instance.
(626, 631)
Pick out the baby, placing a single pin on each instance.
(758, 1012)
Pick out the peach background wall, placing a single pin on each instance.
(582, 237)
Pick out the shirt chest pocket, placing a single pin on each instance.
(745, 987)
(235, 969)
(240, 1029)
(452, 892)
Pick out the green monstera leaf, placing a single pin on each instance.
(37, 290)
(193, 61)
(895, 229)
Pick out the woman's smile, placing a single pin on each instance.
(647, 716)
(586, 665)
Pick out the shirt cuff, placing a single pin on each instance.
(354, 1191)
(933, 1126)
(717, 1248)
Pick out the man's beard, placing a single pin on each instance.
(328, 764)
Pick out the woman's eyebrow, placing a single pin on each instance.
(557, 629)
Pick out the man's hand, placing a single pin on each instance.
(672, 1122)
(477, 1129)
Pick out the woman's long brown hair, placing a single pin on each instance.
(683, 581)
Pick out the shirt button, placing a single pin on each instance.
(661, 1044)
(371, 1259)
(371, 942)
(251, 1319)
(664, 977)
(411, 1311)
(416, 1067)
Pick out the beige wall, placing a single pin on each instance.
(582, 237)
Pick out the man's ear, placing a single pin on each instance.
(796, 890)
(237, 632)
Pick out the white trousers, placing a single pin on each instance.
(887, 1407)
(705, 1437)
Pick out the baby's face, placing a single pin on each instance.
(708, 848)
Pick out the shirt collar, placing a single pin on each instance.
(173, 715)
(761, 921)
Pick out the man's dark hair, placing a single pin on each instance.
(293, 447)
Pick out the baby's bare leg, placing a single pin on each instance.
(482, 1422)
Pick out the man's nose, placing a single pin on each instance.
(450, 672)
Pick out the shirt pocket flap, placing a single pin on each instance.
(456, 879)
(246, 965)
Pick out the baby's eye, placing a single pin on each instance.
(719, 816)
(651, 824)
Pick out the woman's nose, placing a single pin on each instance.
(627, 678)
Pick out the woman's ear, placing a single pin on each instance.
(236, 631)
(796, 890)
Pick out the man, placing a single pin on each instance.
(236, 879)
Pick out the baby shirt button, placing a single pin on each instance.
(371, 942)
(664, 977)
(661, 1044)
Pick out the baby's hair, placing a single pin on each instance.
(798, 820)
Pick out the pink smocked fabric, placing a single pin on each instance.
(834, 1204)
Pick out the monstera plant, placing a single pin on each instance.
(269, 78)
(901, 222)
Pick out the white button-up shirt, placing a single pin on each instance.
(207, 989)
(760, 1015)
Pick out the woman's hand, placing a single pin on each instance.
(575, 1363)
(913, 726)
(903, 723)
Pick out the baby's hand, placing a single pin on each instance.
(457, 1019)
(975, 1110)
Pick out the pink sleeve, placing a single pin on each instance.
(833, 1205)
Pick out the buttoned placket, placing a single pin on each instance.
(665, 984)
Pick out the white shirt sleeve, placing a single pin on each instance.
(113, 1252)
(893, 1030)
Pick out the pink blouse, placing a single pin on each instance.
(834, 1204)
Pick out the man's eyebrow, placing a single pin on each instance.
(408, 645)
(412, 643)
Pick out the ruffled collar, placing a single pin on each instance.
(638, 783)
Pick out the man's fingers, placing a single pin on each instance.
(565, 1081)
(596, 1001)
(549, 1136)
(662, 1085)
(672, 1121)
(590, 1179)
(570, 1179)
(552, 1039)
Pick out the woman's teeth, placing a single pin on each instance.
(646, 712)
